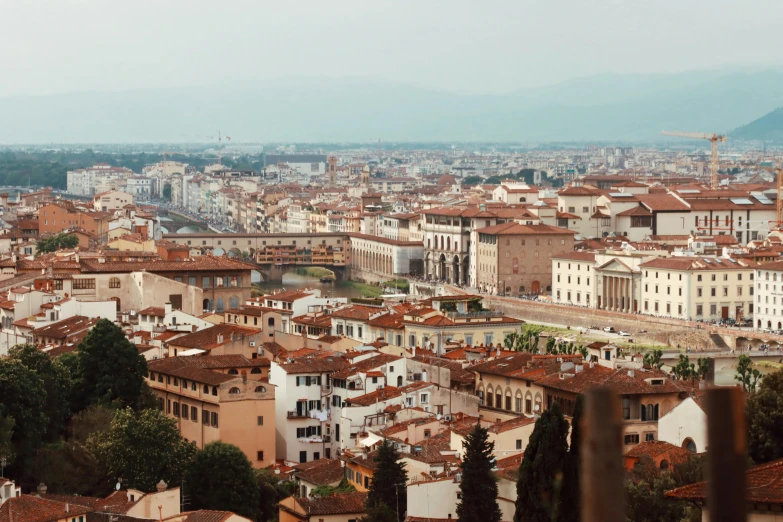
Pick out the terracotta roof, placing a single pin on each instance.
(621, 381)
(366, 365)
(207, 338)
(320, 472)
(390, 320)
(381, 394)
(328, 364)
(576, 256)
(65, 328)
(157, 311)
(662, 203)
(654, 448)
(201, 263)
(337, 504)
(202, 515)
(29, 508)
(698, 263)
(516, 229)
(287, 297)
(764, 485)
(356, 312)
(635, 211)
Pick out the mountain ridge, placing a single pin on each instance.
(602, 107)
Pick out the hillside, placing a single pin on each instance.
(600, 108)
(767, 128)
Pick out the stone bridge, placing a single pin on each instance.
(272, 273)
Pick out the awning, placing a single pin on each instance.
(371, 439)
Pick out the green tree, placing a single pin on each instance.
(22, 399)
(167, 192)
(539, 484)
(764, 412)
(478, 485)
(746, 374)
(57, 242)
(472, 180)
(570, 505)
(271, 490)
(72, 467)
(379, 513)
(492, 180)
(109, 368)
(6, 435)
(57, 385)
(143, 448)
(324, 491)
(220, 477)
(647, 502)
(388, 481)
(653, 359)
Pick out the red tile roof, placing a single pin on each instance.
(29, 508)
(208, 338)
(764, 485)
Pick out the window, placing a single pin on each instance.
(206, 282)
(632, 438)
(185, 411)
(519, 444)
(260, 420)
(176, 409)
(114, 282)
(214, 419)
(427, 434)
(84, 284)
(194, 414)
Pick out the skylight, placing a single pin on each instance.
(741, 201)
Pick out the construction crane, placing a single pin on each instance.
(714, 139)
(779, 201)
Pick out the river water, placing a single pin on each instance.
(292, 281)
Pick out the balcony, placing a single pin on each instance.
(317, 439)
(298, 414)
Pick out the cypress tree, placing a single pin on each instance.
(570, 492)
(388, 482)
(540, 476)
(478, 485)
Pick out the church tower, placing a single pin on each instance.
(365, 180)
(332, 170)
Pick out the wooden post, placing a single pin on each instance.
(602, 473)
(727, 459)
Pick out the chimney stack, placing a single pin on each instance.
(41, 489)
(161, 486)
(168, 308)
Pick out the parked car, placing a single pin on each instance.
(609, 329)
(624, 334)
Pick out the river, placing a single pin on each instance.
(292, 281)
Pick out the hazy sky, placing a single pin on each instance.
(475, 46)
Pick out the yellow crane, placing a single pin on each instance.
(714, 139)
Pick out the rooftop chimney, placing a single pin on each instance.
(41, 489)
(168, 308)
(161, 486)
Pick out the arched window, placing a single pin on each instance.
(152, 376)
(271, 322)
(114, 282)
(160, 378)
(399, 381)
(233, 302)
(260, 389)
(643, 412)
(214, 390)
(689, 445)
(206, 389)
(233, 390)
(233, 371)
(664, 464)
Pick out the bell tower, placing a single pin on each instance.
(332, 170)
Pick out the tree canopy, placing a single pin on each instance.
(388, 481)
(23, 400)
(56, 384)
(478, 485)
(57, 242)
(746, 374)
(539, 484)
(109, 368)
(144, 448)
(220, 477)
(764, 411)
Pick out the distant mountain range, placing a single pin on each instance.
(617, 108)
(767, 128)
